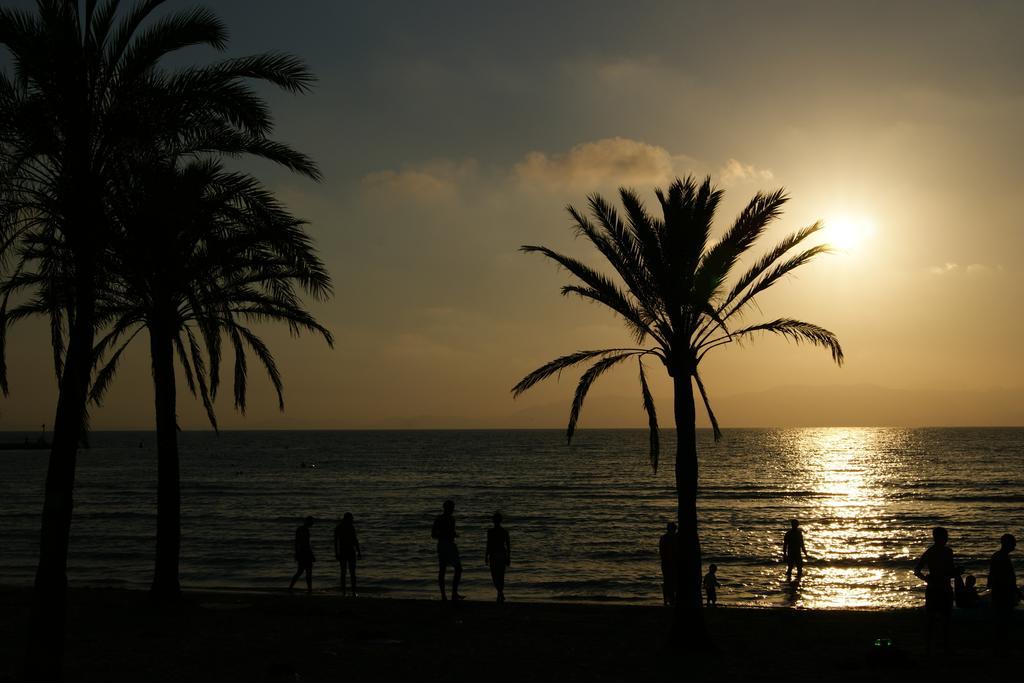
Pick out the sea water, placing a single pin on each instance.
(584, 519)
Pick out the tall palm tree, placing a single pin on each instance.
(200, 255)
(674, 295)
(87, 93)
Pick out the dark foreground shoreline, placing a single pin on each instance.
(116, 635)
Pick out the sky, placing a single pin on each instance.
(450, 134)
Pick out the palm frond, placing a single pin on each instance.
(561, 363)
(652, 416)
(241, 369)
(267, 360)
(707, 405)
(186, 364)
(140, 50)
(196, 26)
(797, 331)
(778, 272)
(586, 381)
(4, 386)
(197, 361)
(646, 234)
(718, 261)
(638, 326)
(605, 291)
(616, 244)
(283, 70)
(767, 260)
(103, 378)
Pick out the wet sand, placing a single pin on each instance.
(226, 636)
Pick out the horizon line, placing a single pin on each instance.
(521, 429)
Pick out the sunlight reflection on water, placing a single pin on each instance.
(866, 498)
(585, 519)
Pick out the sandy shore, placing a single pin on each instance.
(226, 636)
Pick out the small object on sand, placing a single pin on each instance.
(885, 653)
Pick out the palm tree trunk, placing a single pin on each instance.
(688, 628)
(49, 599)
(168, 495)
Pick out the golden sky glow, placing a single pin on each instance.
(450, 135)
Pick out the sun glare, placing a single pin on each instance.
(847, 232)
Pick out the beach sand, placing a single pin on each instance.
(225, 636)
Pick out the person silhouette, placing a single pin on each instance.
(966, 592)
(304, 555)
(711, 585)
(793, 550)
(1002, 584)
(498, 554)
(346, 549)
(938, 596)
(667, 552)
(447, 552)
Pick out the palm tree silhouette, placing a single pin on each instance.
(88, 94)
(676, 296)
(200, 255)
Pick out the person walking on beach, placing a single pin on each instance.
(793, 550)
(1002, 583)
(711, 585)
(498, 554)
(667, 551)
(938, 596)
(346, 549)
(447, 551)
(304, 555)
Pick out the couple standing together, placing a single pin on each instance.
(498, 554)
(346, 551)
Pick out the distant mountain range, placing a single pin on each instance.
(786, 406)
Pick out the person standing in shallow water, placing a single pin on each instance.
(1002, 582)
(346, 549)
(711, 585)
(447, 552)
(938, 596)
(304, 555)
(667, 551)
(793, 550)
(498, 554)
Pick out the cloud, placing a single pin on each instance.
(982, 269)
(588, 166)
(944, 269)
(970, 269)
(735, 171)
(437, 180)
(618, 161)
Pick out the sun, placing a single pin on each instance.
(847, 232)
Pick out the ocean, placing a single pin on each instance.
(584, 519)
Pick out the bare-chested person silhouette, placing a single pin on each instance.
(938, 596)
(447, 552)
(498, 554)
(667, 551)
(304, 555)
(793, 550)
(347, 550)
